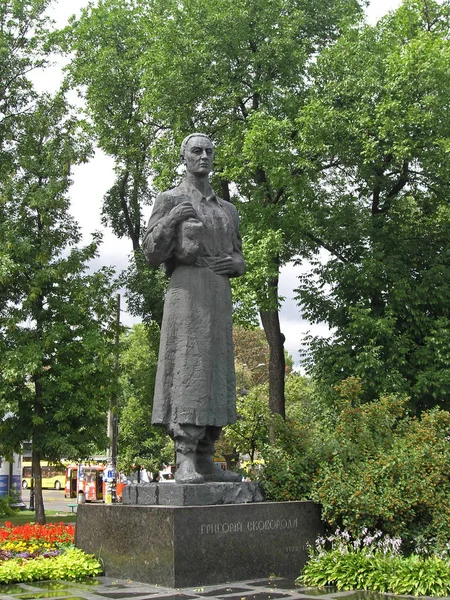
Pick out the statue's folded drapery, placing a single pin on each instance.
(195, 381)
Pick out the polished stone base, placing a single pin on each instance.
(199, 545)
(203, 494)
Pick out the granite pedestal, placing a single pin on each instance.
(181, 546)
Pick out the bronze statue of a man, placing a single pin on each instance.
(196, 235)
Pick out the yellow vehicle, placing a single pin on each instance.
(252, 468)
(53, 476)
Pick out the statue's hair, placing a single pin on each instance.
(187, 138)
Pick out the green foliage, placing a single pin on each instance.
(292, 460)
(106, 45)
(251, 431)
(22, 36)
(286, 473)
(145, 289)
(152, 72)
(73, 564)
(251, 355)
(55, 318)
(6, 510)
(300, 444)
(389, 471)
(303, 403)
(140, 443)
(368, 465)
(374, 134)
(107, 42)
(225, 450)
(252, 291)
(373, 562)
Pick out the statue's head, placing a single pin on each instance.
(197, 153)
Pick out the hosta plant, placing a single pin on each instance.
(374, 562)
(72, 564)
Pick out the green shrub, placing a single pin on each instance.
(289, 464)
(374, 562)
(390, 472)
(302, 442)
(369, 465)
(6, 510)
(73, 564)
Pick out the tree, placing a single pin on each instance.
(22, 31)
(107, 43)
(243, 85)
(56, 318)
(140, 443)
(251, 430)
(252, 376)
(22, 34)
(300, 401)
(225, 449)
(376, 134)
(301, 442)
(251, 354)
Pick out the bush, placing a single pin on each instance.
(6, 510)
(302, 442)
(369, 465)
(390, 472)
(374, 562)
(291, 461)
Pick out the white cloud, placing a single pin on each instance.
(378, 8)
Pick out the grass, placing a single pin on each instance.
(27, 516)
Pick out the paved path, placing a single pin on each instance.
(53, 500)
(107, 588)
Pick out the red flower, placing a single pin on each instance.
(52, 533)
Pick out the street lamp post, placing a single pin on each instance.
(111, 467)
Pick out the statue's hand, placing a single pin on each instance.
(223, 265)
(182, 212)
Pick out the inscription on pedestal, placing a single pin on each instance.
(240, 526)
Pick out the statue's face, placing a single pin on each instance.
(199, 155)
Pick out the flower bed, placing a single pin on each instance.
(36, 552)
(33, 540)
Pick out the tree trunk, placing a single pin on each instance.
(38, 431)
(231, 460)
(38, 498)
(36, 443)
(271, 324)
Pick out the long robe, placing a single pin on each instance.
(195, 380)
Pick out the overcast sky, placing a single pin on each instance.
(92, 180)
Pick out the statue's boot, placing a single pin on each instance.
(208, 468)
(186, 471)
